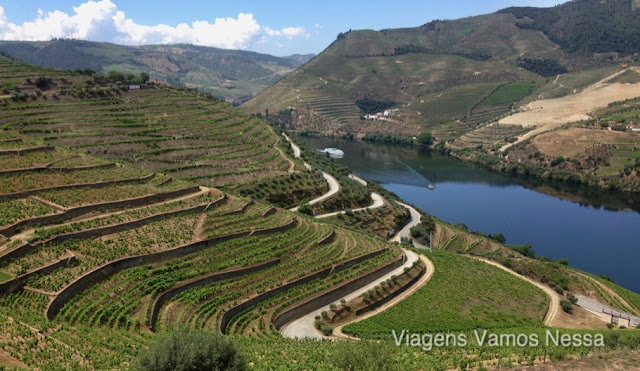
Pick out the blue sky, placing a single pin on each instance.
(279, 27)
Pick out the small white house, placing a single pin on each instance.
(134, 87)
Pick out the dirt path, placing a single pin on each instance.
(30, 233)
(292, 165)
(554, 297)
(337, 332)
(378, 201)
(303, 326)
(549, 114)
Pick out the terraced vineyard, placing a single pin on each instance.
(337, 109)
(160, 129)
(461, 297)
(96, 250)
(493, 135)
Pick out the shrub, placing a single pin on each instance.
(305, 208)
(609, 326)
(191, 350)
(572, 298)
(425, 138)
(332, 306)
(364, 356)
(559, 289)
(566, 306)
(326, 331)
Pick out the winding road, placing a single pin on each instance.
(334, 187)
(406, 231)
(378, 201)
(303, 327)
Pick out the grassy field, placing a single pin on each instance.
(463, 294)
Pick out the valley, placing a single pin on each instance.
(486, 182)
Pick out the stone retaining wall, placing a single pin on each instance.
(23, 194)
(22, 250)
(234, 311)
(323, 299)
(22, 151)
(327, 240)
(240, 210)
(109, 269)
(161, 299)
(268, 212)
(18, 282)
(53, 169)
(81, 210)
(394, 294)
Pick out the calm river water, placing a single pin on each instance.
(596, 239)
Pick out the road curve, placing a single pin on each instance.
(337, 332)
(294, 147)
(554, 297)
(406, 231)
(358, 179)
(334, 187)
(378, 201)
(303, 327)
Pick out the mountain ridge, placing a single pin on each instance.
(229, 74)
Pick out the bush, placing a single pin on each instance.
(326, 331)
(572, 298)
(609, 326)
(425, 138)
(305, 208)
(365, 356)
(559, 289)
(191, 350)
(566, 306)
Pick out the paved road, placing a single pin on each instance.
(358, 179)
(406, 231)
(378, 201)
(597, 307)
(337, 332)
(296, 149)
(334, 187)
(303, 326)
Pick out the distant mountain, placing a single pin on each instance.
(470, 71)
(231, 74)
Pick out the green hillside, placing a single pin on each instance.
(473, 70)
(125, 214)
(230, 74)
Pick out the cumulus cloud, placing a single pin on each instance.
(289, 32)
(102, 21)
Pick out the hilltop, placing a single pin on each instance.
(234, 75)
(467, 80)
(472, 70)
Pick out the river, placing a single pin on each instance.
(594, 238)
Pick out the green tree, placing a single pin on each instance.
(144, 77)
(305, 208)
(425, 138)
(191, 350)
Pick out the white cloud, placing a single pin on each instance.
(102, 21)
(289, 32)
